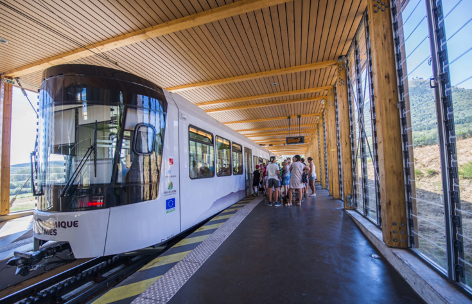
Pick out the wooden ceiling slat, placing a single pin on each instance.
(237, 8)
(273, 128)
(267, 104)
(264, 96)
(282, 36)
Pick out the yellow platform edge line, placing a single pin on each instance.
(133, 289)
(209, 227)
(220, 217)
(191, 240)
(230, 210)
(171, 258)
(126, 291)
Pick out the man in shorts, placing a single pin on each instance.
(273, 182)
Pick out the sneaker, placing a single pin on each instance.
(313, 195)
(269, 204)
(277, 204)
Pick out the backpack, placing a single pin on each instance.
(304, 177)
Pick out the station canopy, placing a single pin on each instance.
(250, 64)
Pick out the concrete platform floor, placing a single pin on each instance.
(309, 254)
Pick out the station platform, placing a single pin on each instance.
(253, 253)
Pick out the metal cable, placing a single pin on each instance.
(26, 95)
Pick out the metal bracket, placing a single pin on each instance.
(10, 81)
(459, 270)
(458, 245)
(456, 220)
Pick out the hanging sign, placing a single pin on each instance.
(295, 140)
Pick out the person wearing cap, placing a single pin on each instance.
(256, 179)
(273, 181)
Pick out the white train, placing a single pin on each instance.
(122, 164)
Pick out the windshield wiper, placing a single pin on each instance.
(77, 171)
(80, 166)
(95, 151)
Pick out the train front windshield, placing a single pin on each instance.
(93, 156)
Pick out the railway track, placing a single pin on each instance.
(83, 282)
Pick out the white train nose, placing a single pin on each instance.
(84, 230)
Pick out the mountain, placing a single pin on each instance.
(423, 113)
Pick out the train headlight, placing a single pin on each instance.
(87, 202)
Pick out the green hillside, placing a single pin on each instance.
(423, 112)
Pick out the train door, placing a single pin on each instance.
(249, 170)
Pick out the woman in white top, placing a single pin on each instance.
(296, 172)
(312, 176)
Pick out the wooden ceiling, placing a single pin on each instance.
(189, 46)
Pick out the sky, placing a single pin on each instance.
(23, 130)
(458, 23)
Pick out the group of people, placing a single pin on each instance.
(294, 174)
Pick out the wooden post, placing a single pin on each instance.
(315, 155)
(6, 95)
(344, 131)
(392, 194)
(328, 154)
(322, 154)
(333, 164)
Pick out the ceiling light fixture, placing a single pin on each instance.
(3, 41)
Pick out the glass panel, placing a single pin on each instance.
(60, 149)
(459, 47)
(427, 195)
(145, 139)
(248, 159)
(368, 141)
(201, 135)
(135, 168)
(223, 157)
(237, 162)
(201, 160)
(23, 136)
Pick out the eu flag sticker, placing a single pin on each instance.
(170, 205)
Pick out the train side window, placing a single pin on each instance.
(201, 153)
(237, 159)
(144, 135)
(223, 156)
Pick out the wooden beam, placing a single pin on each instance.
(262, 105)
(344, 132)
(333, 148)
(273, 128)
(6, 95)
(274, 139)
(289, 70)
(277, 133)
(285, 146)
(323, 154)
(180, 24)
(392, 194)
(267, 119)
(264, 96)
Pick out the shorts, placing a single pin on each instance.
(256, 182)
(285, 180)
(273, 183)
(312, 178)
